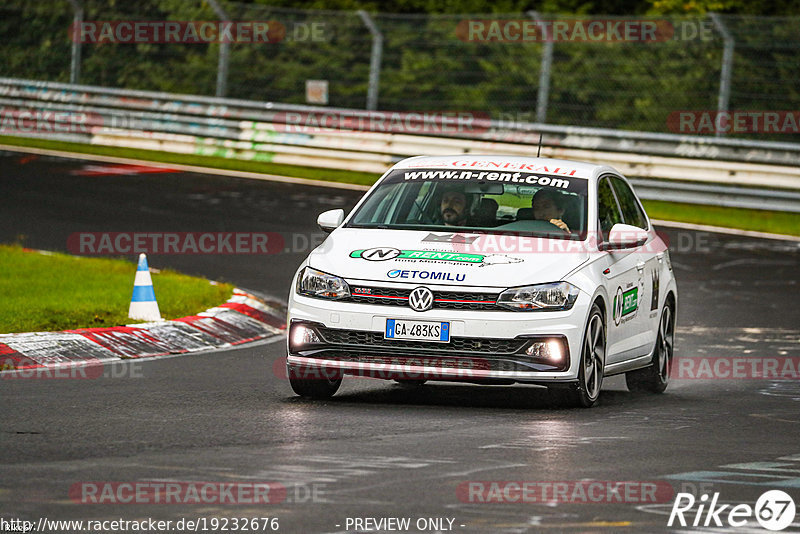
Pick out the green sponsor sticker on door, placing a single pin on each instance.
(630, 301)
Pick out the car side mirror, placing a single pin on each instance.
(330, 220)
(624, 236)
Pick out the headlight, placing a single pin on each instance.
(553, 296)
(314, 283)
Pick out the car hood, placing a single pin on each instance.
(440, 258)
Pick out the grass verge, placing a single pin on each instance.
(777, 222)
(51, 291)
(739, 218)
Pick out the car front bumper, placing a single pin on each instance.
(485, 346)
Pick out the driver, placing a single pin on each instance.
(453, 208)
(548, 205)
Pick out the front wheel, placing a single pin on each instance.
(315, 387)
(593, 357)
(655, 377)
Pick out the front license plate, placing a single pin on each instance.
(417, 330)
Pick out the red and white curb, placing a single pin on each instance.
(244, 318)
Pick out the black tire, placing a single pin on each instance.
(409, 382)
(586, 391)
(655, 377)
(320, 387)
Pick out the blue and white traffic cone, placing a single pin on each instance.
(143, 302)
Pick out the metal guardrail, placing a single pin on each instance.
(714, 195)
(691, 169)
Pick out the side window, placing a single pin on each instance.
(417, 204)
(607, 209)
(631, 211)
(382, 211)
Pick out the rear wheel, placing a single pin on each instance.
(593, 357)
(315, 387)
(655, 377)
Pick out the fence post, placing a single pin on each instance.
(224, 52)
(543, 93)
(77, 20)
(374, 60)
(727, 70)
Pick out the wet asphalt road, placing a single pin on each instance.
(378, 449)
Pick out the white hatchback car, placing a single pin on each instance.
(490, 270)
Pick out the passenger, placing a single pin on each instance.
(548, 205)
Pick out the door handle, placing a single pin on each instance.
(660, 257)
(640, 266)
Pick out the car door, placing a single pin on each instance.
(650, 297)
(623, 281)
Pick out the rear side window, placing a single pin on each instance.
(607, 209)
(631, 211)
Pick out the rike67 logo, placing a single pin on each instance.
(774, 510)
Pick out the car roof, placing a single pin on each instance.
(499, 163)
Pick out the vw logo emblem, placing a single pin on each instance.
(421, 299)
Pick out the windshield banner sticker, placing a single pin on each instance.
(492, 176)
(506, 166)
(388, 253)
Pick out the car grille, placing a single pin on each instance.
(443, 300)
(335, 336)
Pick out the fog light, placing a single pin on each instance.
(545, 350)
(301, 336)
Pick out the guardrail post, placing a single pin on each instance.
(374, 60)
(77, 20)
(224, 52)
(543, 93)
(727, 69)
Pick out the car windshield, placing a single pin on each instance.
(544, 205)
